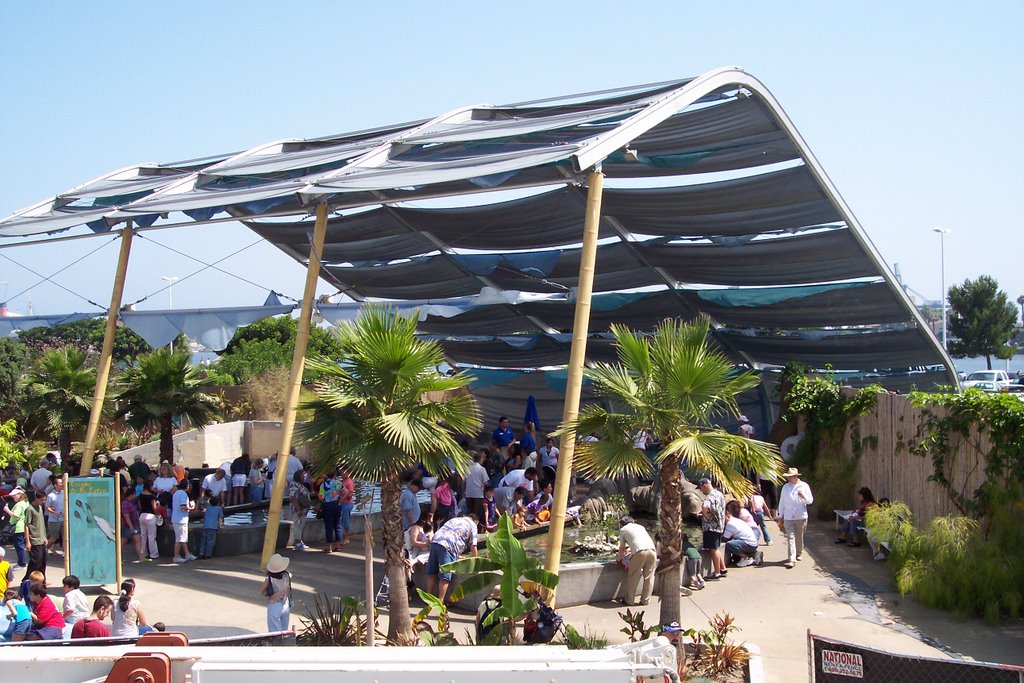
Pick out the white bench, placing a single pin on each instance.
(842, 516)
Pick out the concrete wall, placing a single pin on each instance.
(217, 443)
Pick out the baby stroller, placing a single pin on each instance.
(541, 625)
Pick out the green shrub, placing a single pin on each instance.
(953, 565)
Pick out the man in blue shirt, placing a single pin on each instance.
(502, 436)
(410, 505)
(181, 505)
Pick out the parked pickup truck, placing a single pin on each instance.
(988, 380)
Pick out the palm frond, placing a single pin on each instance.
(726, 456)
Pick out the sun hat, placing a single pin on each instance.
(277, 563)
(3, 553)
(16, 490)
(743, 418)
(792, 472)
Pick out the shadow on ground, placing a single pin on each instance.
(865, 584)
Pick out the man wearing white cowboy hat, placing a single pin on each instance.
(793, 502)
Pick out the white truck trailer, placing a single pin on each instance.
(649, 661)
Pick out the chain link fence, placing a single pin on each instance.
(835, 661)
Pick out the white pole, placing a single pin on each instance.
(170, 279)
(942, 268)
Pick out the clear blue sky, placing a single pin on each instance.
(914, 108)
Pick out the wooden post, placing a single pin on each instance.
(64, 537)
(581, 326)
(368, 573)
(118, 545)
(298, 364)
(103, 371)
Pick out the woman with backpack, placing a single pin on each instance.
(346, 501)
(330, 509)
(298, 494)
(277, 588)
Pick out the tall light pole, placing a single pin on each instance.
(942, 267)
(170, 280)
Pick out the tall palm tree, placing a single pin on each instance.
(60, 388)
(673, 384)
(159, 386)
(371, 416)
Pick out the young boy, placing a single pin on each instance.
(76, 606)
(213, 519)
(47, 622)
(693, 578)
(20, 617)
(92, 626)
(489, 521)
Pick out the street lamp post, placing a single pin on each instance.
(170, 280)
(942, 268)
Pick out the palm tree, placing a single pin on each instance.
(673, 384)
(1020, 302)
(60, 387)
(159, 386)
(371, 416)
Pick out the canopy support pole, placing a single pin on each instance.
(107, 352)
(298, 365)
(580, 329)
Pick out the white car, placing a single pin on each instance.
(988, 380)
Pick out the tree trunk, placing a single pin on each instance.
(399, 620)
(64, 445)
(166, 438)
(670, 539)
(988, 361)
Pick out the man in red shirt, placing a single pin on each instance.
(92, 626)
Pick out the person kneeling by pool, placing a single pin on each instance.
(451, 540)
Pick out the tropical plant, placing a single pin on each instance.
(84, 335)
(60, 387)
(160, 386)
(370, 416)
(14, 363)
(269, 343)
(442, 635)
(674, 384)
(982, 320)
(588, 640)
(9, 453)
(507, 565)
(635, 627)
(336, 622)
(930, 563)
(714, 653)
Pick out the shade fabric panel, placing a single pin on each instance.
(862, 351)
(804, 259)
(767, 249)
(212, 327)
(779, 201)
(15, 323)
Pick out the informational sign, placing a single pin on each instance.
(835, 661)
(92, 524)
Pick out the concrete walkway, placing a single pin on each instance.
(834, 591)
